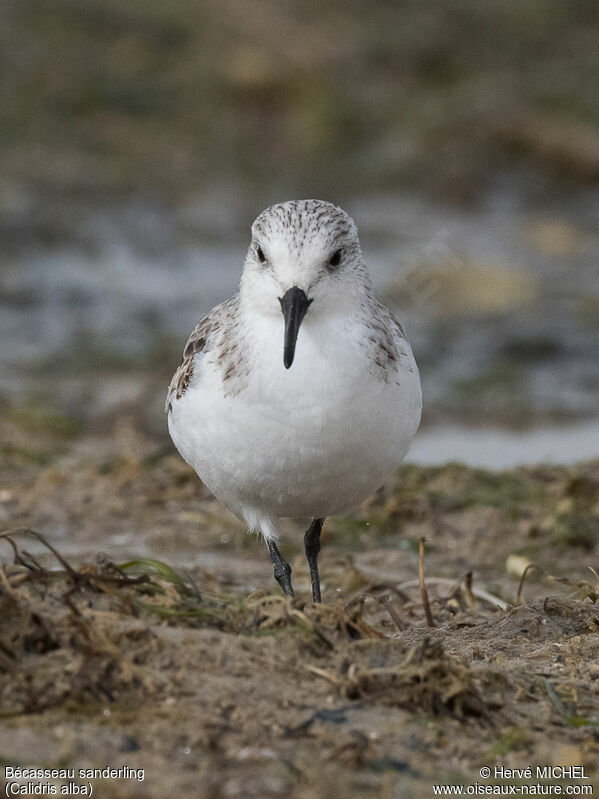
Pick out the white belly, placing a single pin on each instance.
(313, 440)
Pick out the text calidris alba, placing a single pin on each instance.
(299, 396)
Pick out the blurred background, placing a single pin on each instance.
(138, 142)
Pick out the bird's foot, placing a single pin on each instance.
(282, 569)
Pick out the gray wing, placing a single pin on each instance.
(386, 339)
(195, 343)
(206, 335)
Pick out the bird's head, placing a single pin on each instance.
(304, 259)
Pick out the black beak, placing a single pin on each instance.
(294, 304)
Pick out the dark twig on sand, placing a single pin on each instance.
(395, 618)
(79, 578)
(529, 567)
(423, 591)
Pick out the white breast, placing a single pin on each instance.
(309, 441)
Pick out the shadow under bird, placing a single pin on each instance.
(299, 396)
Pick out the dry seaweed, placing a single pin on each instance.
(213, 677)
(425, 679)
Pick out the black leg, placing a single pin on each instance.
(312, 547)
(282, 568)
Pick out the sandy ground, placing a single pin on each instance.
(189, 664)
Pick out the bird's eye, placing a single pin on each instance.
(335, 258)
(260, 254)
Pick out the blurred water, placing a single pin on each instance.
(126, 291)
(496, 448)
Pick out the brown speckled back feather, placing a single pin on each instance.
(207, 336)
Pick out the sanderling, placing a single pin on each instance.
(299, 396)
